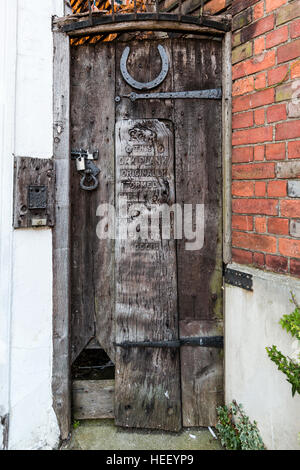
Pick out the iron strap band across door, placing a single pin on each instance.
(202, 341)
(211, 94)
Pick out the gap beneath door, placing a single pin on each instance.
(93, 385)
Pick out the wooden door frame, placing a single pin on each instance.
(61, 380)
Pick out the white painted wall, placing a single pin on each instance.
(8, 46)
(26, 255)
(251, 324)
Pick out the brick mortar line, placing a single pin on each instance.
(290, 81)
(269, 69)
(297, 139)
(289, 219)
(265, 253)
(239, 30)
(268, 49)
(266, 15)
(268, 142)
(275, 85)
(268, 161)
(265, 142)
(257, 126)
(266, 107)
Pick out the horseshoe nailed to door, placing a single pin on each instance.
(144, 85)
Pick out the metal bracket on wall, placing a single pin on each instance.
(34, 181)
(238, 279)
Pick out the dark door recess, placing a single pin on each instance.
(154, 307)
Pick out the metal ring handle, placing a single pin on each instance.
(146, 85)
(89, 188)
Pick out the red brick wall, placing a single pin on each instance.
(266, 134)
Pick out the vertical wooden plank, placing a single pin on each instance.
(67, 7)
(227, 145)
(92, 115)
(197, 65)
(83, 203)
(147, 379)
(143, 376)
(61, 231)
(103, 136)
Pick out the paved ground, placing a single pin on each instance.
(103, 435)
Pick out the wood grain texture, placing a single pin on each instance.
(147, 380)
(196, 66)
(227, 146)
(144, 64)
(33, 172)
(144, 25)
(93, 399)
(61, 241)
(165, 287)
(92, 115)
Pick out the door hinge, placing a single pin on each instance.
(210, 94)
(238, 279)
(203, 341)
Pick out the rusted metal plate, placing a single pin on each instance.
(34, 180)
(147, 381)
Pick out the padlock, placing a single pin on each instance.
(80, 163)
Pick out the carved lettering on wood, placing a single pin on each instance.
(147, 380)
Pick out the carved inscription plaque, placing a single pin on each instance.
(144, 153)
(146, 287)
(145, 185)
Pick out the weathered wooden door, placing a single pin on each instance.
(153, 153)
